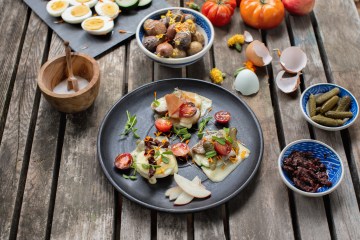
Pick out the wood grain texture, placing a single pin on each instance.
(343, 52)
(311, 215)
(265, 198)
(18, 123)
(140, 72)
(343, 62)
(12, 25)
(84, 206)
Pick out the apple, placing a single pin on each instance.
(173, 193)
(299, 7)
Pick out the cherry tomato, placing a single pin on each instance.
(180, 149)
(187, 110)
(123, 161)
(222, 117)
(222, 149)
(163, 125)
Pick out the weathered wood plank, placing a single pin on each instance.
(343, 62)
(310, 213)
(132, 215)
(16, 133)
(253, 211)
(84, 207)
(12, 26)
(35, 207)
(343, 52)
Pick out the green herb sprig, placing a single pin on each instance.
(227, 135)
(156, 102)
(182, 133)
(164, 158)
(130, 125)
(219, 140)
(202, 126)
(132, 175)
(210, 154)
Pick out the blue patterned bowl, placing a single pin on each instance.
(327, 156)
(325, 87)
(203, 25)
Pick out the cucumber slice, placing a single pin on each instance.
(127, 4)
(144, 3)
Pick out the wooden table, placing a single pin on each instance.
(52, 185)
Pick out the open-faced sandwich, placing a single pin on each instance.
(181, 107)
(219, 153)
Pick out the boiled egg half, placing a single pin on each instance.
(107, 8)
(89, 3)
(56, 7)
(76, 14)
(99, 25)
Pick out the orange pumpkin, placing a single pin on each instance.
(262, 14)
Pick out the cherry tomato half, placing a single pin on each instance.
(222, 149)
(163, 125)
(187, 110)
(180, 149)
(222, 117)
(123, 161)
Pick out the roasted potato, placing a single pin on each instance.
(177, 53)
(194, 48)
(198, 37)
(171, 32)
(164, 50)
(154, 27)
(151, 42)
(182, 40)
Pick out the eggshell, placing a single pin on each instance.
(293, 59)
(248, 37)
(287, 84)
(246, 82)
(258, 53)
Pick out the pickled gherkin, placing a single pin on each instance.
(329, 104)
(312, 105)
(338, 115)
(344, 104)
(326, 96)
(330, 122)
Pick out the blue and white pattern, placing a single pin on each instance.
(326, 155)
(322, 88)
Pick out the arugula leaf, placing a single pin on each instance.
(219, 140)
(165, 159)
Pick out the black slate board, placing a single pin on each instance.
(81, 41)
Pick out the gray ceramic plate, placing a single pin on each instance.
(110, 144)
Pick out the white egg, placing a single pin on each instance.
(99, 25)
(247, 82)
(56, 7)
(76, 14)
(107, 8)
(89, 3)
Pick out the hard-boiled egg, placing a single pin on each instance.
(246, 82)
(99, 25)
(76, 14)
(56, 7)
(89, 3)
(107, 8)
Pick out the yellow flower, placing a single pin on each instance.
(249, 65)
(217, 76)
(237, 38)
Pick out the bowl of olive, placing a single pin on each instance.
(329, 106)
(175, 37)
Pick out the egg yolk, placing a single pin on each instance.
(83, 1)
(58, 5)
(94, 24)
(79, 11)
(108, 9)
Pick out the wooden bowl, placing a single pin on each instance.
(54, 71)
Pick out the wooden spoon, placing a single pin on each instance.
(72, 82)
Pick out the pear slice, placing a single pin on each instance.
(185, 198)
(173, 192)
(190, 187)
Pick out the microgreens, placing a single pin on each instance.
(156, 102)
(130, 125)
(162, 156)
(219, 140)
(210, 154)
(182, 133)
(202, 126)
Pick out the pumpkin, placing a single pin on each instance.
(262, 14)
(219, 12)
